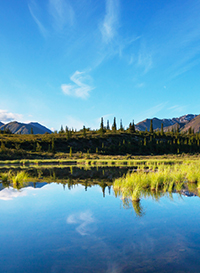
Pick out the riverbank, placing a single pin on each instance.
(79, 159)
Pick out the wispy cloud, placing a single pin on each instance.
(155, 109)
(111, 21)
(6, 116)
(81, 87)
(34, 10)
(177, 108)
(145, 60)
(175, 40)
(62, 13)
(84, 221)
(151, 112)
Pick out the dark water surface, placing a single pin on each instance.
(53, 229)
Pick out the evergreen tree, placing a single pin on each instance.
(151, 126)
(121, 126)
(108, 126)
(178, 128)
(84, 131)
(132, 127)
(61, 130)
(190, 131)
(162, 132)
(114, 127)
(101, 127)
(31, 130)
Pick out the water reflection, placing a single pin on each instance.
(77, 230)
(127, 194)
(84, 221)
(12, 182)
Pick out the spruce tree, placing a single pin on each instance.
(101, 127)
(151, 126)
(162, 132)
(108, 126)
(84, 131)
(121, 126)
(178, 128)
(114, 127)
(132, 127)
(61, 130)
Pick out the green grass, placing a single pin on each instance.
(166, 178)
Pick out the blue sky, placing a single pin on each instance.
(65, 62)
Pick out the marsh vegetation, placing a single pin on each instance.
(157, 180)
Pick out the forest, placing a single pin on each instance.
(103, 141)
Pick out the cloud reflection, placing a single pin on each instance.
(11, 193)
(84, 221)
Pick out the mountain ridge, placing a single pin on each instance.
(167, 123)
(25, 128)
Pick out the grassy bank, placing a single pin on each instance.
(138, 162)
(163, 178)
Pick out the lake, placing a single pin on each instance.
(81, 226)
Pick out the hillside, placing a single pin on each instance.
(174, 127)
(194, 124)
(22, 128)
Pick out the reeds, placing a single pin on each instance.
(19, 179)
(164, 178)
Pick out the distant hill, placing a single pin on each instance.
(23, 128)
(1, 123)
(194, 124)
(167, 123)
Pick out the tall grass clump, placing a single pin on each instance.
(5, 177)
(166, 178)
(193, 173)
(19, 178)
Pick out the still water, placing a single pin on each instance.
(55, 228)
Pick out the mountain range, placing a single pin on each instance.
(184, 123)
(23, 128)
